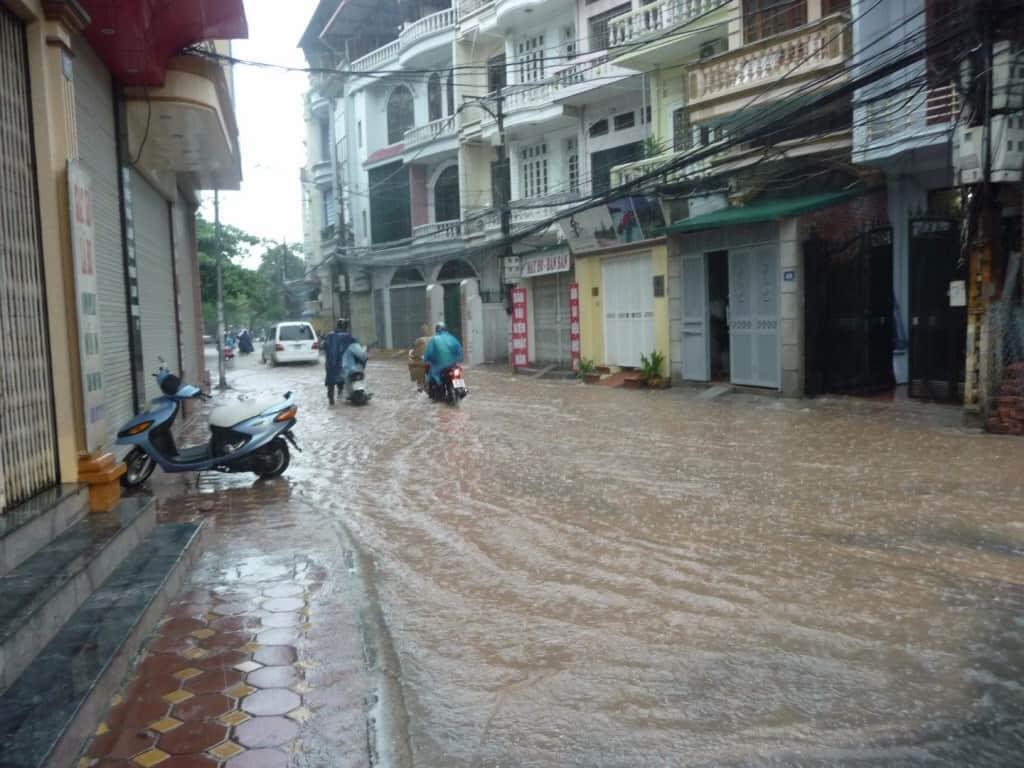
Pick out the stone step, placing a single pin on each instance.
(29, 527)
(48, 715)
(38, 596)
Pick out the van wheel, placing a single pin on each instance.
(263, 358)
(139, 467)
(273, 459)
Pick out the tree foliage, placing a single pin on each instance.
(253, 298)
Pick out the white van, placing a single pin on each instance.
(291, 343)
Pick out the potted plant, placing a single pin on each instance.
(650, 370)
(587, 371)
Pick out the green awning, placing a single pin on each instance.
(763, 210)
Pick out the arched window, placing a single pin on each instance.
(455, 270)
(446, 195)
(450, 88)
(407, 276)
(434, 107)
(400, 114)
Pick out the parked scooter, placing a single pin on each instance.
(248, 436)
(452, 388)
(354, 390)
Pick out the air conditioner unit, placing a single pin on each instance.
(715, 47)
(1007, 148)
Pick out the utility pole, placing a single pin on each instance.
(222, 382)
(504, 187)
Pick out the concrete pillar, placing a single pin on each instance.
(435, 305)
(472, 322)
(791, 308)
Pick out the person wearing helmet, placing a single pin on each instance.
(442, 352)
(336, 343)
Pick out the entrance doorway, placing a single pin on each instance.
(451, 276)
(718, 314)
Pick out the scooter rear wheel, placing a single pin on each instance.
(274, 459)
(140, 467)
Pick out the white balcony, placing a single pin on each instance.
(630, 172)
(436, 130)
(438, 230)
(575, 83)
(323, 173)
(378, 58)
(419, 38)
(906, 120)
(795, 55)
(647, 30)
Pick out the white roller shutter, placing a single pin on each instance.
(551, 319)
(188, 293)
(97, 147)
(155, 263)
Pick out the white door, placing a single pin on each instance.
(696, 343)
(754, 317)
(628, 310)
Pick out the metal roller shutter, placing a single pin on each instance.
(191, 313)
(28, 456)
(408, 313)
(97, 148)
(551, 319)
(155, 263)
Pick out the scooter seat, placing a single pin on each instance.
(230, 415)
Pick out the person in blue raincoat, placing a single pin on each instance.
(442, 352)
(336, 343)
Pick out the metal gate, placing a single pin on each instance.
(754, 317)
(28, 455)
(551, 318)
(408, 313)
(848, 314)
(938, 332)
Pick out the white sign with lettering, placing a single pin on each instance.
(546, 264)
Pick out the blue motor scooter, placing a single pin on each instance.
(247, 436)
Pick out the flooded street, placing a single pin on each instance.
(579, 576)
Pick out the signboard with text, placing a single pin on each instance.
(520, 341)
(546, 264)
(83, 243)
(574, 325)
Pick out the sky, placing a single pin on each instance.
(268, 104)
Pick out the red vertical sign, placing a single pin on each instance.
(574, 324)
(520, 342)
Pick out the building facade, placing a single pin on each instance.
(110, 149)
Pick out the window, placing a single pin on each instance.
(572, 164)
(400, 114)
(325, 140)
(390, 209)
(450, 89)
(435, 109)
(530, 58)
(296, 332)
(496, 73)
(682, 135)
(533, 171)
(625, 121)
(828, 7)
(569, 42)
(599, 26)
(601, 163)
(764, 18)
(599, 128)
(446, 195)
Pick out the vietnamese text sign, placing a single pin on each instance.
(83, 241)
(574, 325)
(520, 342)
(546, 264)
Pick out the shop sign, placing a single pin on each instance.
(520, 342)
(546, 264)
(574, 325)
(83, 250)
(621, 221)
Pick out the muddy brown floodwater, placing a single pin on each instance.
(576, 576)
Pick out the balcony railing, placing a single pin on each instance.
(791, 54)
(428, 25)
(432, 131)
(467, 7)
(438, 230)
(378, 58)
(628, 172)
(910, 114)
(654, 18)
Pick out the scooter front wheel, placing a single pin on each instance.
(274, 459)
(139, 467)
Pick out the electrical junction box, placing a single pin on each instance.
(1007, 148)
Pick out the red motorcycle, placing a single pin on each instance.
(229, 353)
(452, 387)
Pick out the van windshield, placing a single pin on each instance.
(294, 333)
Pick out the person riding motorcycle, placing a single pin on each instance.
(442, 352)
(336, 343)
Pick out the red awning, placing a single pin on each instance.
(136, 38)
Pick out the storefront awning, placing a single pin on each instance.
(136, 38)
(763, 210)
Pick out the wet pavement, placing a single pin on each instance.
(579, 576)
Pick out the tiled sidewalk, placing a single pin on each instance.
(258, 665)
